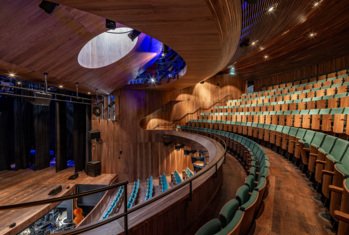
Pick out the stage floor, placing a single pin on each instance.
(27, 185)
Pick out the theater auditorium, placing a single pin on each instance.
(174, 117)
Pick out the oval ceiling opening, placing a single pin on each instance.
(106, 48)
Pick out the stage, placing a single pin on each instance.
(27, 185)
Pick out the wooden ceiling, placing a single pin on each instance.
(284, 35)
(204, 33)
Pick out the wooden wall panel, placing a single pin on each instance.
(325, 67)
(188, 100)
(143, 153)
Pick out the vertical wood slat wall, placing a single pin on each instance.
(326, 67)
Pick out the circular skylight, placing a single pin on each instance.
(106, 48)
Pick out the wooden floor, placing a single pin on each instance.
(27, 185)
(290, 207)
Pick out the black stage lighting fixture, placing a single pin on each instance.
(110, 24)
(133, 34)
(245, 42)
(47, 6)
(251, 1)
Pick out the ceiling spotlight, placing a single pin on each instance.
(316, 4)
(312, 35)
(48, 6)
(11, 74)
(110, 24)
(261, 48)
(152, 80)
(266, 57)
(254, 43)
(271, 9)
(19, 83)
(60, 86)
(133, 34)
(89, 93)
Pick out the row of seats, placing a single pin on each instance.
(314, 93)
(287, 102)
(134, 194)
(325, 158)
(176, 178)
(327, 120)
(237, 215)
(114, 203)
(324, 80)
(163, 183)
(150, 188)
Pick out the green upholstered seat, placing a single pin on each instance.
(327, 144)
(301, 133)
(253, 199)
(211, 227)
(308, 137)
(242, 194)
(318, 139)
(227, 212)
(337, 110)
(325, 111)
(233, 223)
(338, 150)
(249, 181)
(293, 131)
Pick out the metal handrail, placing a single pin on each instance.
(126, 210)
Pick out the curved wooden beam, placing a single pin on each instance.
(204, 33)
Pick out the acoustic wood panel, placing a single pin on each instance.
(192, 99)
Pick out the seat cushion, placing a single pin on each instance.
(242, 194)
(252, 201)
(249, 181)
(227, 212)
(211, 227)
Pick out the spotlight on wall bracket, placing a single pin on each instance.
(48, 6)
(110, 24)
(134, 34)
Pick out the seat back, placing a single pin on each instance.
(339, 149)
(309, 136)
(227, 212)
(328, 143)
(242, 194)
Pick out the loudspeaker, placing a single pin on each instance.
(48, 7)
(93, 168)
(94, 135)
(41, 98)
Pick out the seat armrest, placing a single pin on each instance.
(325, 172)
(342, 216)
(335, 188)
(320, 162)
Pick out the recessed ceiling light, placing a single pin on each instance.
(261, 48)
(152, 80)
(316, 4)
(312, 34)
(89, 93)
(266, 57)
(271, 9)
(254, 43)
(19, 83)
(60, 86)
(11, 74)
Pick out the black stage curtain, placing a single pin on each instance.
(61, 127)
